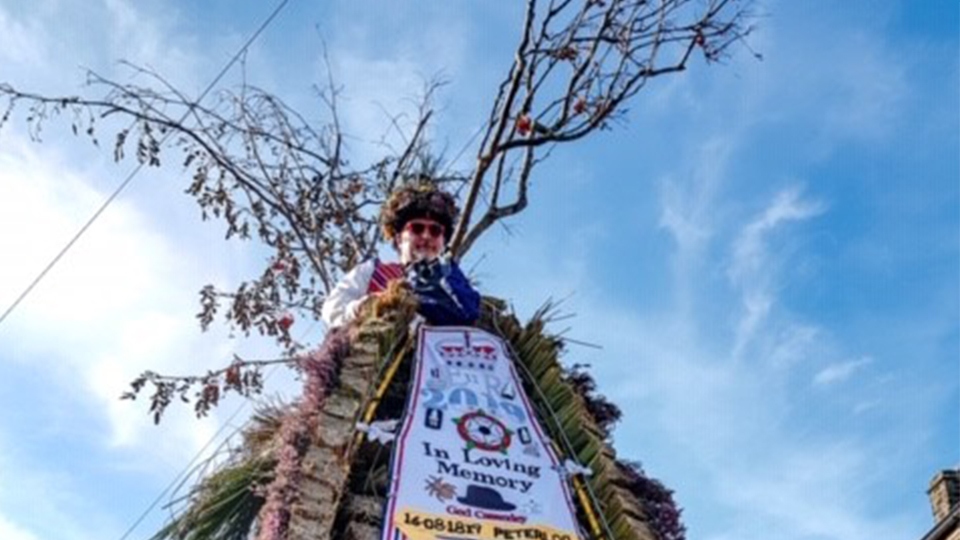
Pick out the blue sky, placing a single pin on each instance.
(767, 253)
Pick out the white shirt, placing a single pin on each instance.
(343, 302)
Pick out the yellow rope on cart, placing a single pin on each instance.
(580, 489)
(578, 486)
(384, 384)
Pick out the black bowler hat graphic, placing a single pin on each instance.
(486, 498)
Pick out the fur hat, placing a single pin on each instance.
(414, 201)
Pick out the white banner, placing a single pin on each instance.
(471, 461)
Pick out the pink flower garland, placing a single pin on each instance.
(320, 369)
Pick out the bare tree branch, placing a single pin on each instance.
(575, 69)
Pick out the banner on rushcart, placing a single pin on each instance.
(471, 460)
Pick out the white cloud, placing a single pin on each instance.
(807, 492)
(11, 531)
(750, 256)
(841, 371)
(383, 80)
(119, 302)
(19, 43)
(868, 85)
(753, 269)
(368, 106)
(865, 406)
(49, 44)
(795, 342)
(718, 432)
(688, 214)
(147, 37)
(122, 300)
(384, 64)
(687, 207)
(39, 501)
(718, 397)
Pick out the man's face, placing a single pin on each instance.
(420, 239)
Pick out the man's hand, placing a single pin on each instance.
(397, 298)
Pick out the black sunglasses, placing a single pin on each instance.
(418, 227)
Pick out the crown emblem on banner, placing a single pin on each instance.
(469, 350)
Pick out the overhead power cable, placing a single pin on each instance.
(236, 57)
(233, 60)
